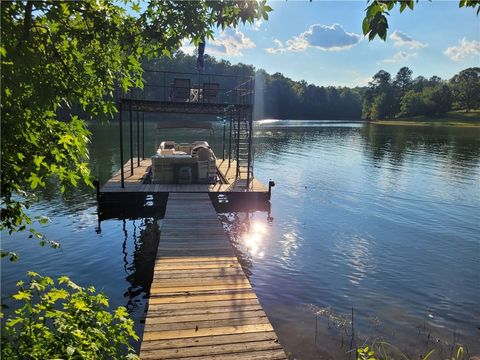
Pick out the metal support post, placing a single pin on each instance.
(230, 142)
(143, 135)
(122, 175)
(138, 139)
(131, 141)
(224, 126)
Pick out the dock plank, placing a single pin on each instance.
(201, 304)
(209, 340)
(207, 331)
(214, 350)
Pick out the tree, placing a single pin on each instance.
(401, 84)
(381, 81)
(435, 80)
(380, 101)
(438, 99)
(419, 83)
(466, 88)
(411, 104)
(403, 80)
(56, 55)
(375, 22)
(382, 106)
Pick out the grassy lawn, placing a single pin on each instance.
(452, 118)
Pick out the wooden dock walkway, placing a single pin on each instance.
(201, 304)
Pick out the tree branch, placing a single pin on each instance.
(27, 20)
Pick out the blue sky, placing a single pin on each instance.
(322, 43)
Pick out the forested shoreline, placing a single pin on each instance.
(405, 96)
(385, 97)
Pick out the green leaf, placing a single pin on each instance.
(70, 350)
(12, 322)
(63, 279)
(167, 53)
(136, 7)
(22, 295)
(38, 160)
(365, 26)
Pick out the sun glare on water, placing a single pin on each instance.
(253, 239)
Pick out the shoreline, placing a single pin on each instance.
(427, 123)
(454, 118)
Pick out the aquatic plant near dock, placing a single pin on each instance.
(64, 320)
(379, 351)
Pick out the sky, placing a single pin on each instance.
(321, 42)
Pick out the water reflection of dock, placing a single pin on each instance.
(201, 303)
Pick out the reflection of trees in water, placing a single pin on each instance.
(104, 150)
(277, 140)
(139, 272)
(459, 146)
(382, 144)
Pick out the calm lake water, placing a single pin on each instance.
(383, 220)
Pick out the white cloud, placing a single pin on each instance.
(323, 37)
(400, 56)
(279, 48)
(401, 39)
(228, 43)
(330, 37)
(278, 43)
(465, 48)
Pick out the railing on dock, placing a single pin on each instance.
(193, 88)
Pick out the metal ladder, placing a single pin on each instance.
(242, 127)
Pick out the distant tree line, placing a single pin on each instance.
(403, 96)
(286, 98)
(384, 98)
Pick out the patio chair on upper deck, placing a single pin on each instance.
(210, 92)
(180, 90)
